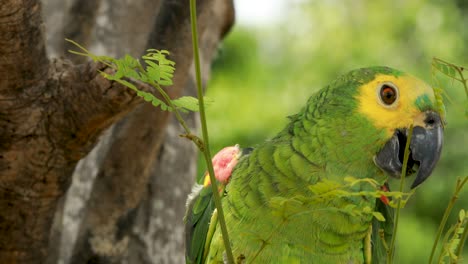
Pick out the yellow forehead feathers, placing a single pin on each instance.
(403, 112)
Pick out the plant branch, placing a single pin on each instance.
(402, 184)
(206, 150)
(464, 235)
(463, 238)
(457, 68)
(458, 188)
(171, 105)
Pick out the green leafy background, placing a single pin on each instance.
(264, 74)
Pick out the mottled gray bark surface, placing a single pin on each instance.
(109, 171)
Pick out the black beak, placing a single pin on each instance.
(425, 148)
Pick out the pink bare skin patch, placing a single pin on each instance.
(223, 163)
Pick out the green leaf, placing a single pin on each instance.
(451, 71)
(324, 186)
(154, 73)
(378, 216)
(130, 61)
(124, 82)
(105, 59)
(461, 215)
(367, 209)
(147, 97)
(187, 102)
(156, 102)
(444, 69)
(350, 179)
(167, 69)
(151, 64)
(159, 71)
(164, 107)
(165, 82)
(128, 84)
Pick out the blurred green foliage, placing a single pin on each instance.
(264, 74)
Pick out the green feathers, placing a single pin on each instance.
(312, 193)
(200, 208)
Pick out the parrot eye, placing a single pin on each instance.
(388, 94)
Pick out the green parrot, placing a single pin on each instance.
(308, 194)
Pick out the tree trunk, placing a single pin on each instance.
(84, 153)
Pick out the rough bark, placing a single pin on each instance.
(123, 178)
(52, 113)
(114, 33)
(156, 236)
(45, 130)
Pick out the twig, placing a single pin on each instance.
(402, 184)
(458, 188)
(206, 152)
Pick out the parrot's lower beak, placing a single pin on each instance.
(425, 148)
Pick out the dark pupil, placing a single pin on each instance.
(388, 94)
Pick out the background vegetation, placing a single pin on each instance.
(264, 74)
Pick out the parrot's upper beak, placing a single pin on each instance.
(425, 148)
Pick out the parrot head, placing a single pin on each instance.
(393, 102)
(368, 113)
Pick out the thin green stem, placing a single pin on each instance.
(463, 81)
(402, 184)
(464, 235)
(168, 101)
(459, 69)
(143, 71)
(88, 54)
(458, 188)
(174, 108)
(463, 238)
(382, 237)
(444, 243)
(206, 150)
